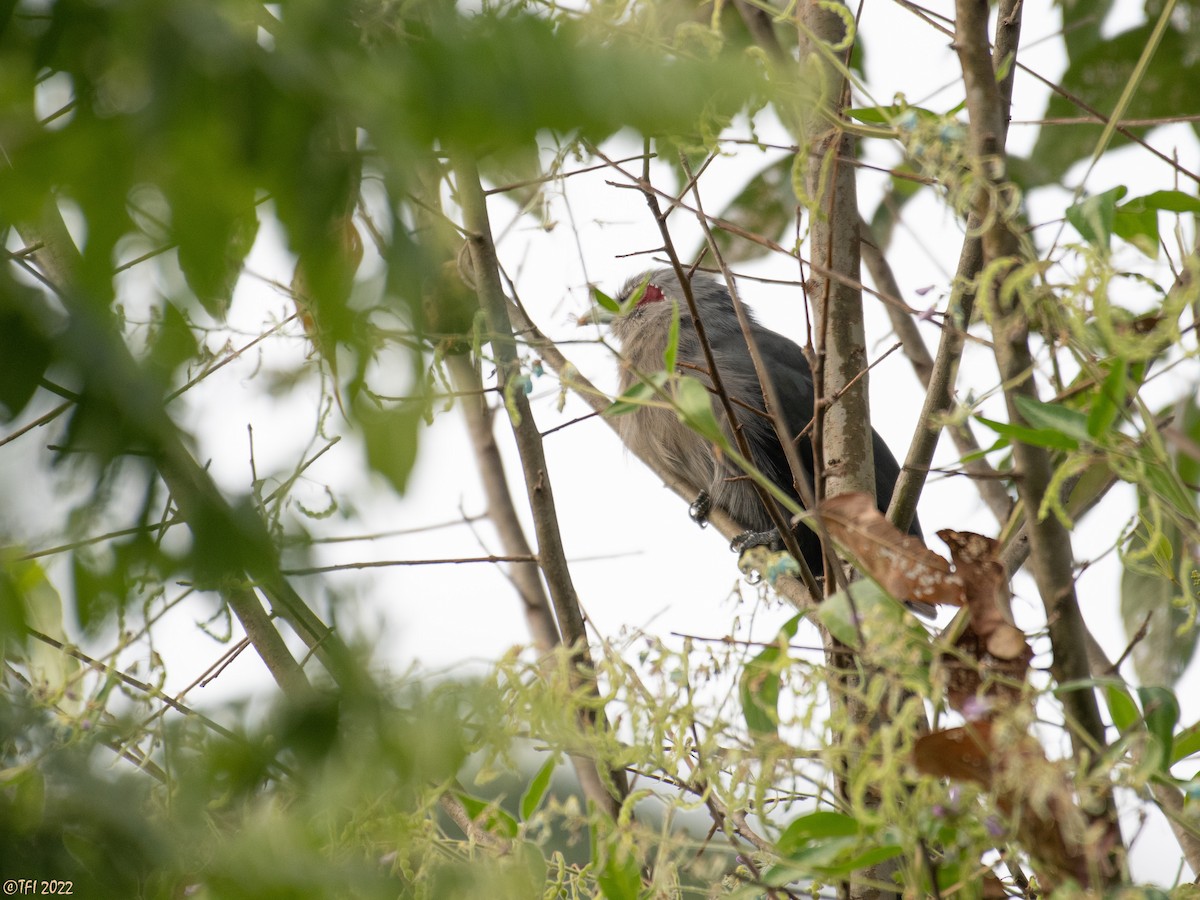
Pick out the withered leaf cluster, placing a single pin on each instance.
(987, 666)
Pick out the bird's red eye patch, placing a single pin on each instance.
(652, 294)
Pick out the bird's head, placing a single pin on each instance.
(646, 304)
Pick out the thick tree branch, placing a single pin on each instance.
(443, 241)
(844, 458)
(938, 376)
(501, 509)
(939, 397)
(115, 375)
(607, 793)
(1050, 542)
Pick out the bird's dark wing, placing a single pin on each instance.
(793, 383)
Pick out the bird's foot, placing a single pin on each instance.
(747, 540)
(700, 509)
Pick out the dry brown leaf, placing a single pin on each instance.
(996, 653)
(1008, 643)
(980, 682)
(350, 246)
(907, 569)
(993, 887)
(963, 754)
(1028, 788)
(977, 564)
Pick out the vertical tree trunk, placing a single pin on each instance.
(842, 430)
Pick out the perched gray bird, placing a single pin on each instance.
(657, 433)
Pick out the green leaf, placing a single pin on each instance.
(488, 815)
(1165, 483)
(1037, 437)
(1121, 708)
(172, 344)
(887, 115)
(813, 826)
(1082, 24)
(618, 873)
(694, 408)
(1000, 444)
(1161, 710)
(761, 681)
(100, 591)
(605, 302)
(1054, 416)
(871, 857)
(1187, 742)
(496, 80)
(1187, 420)
(532, 798)
(1093, 218)
(1109, 399)
(1137, 220)
(25, 351)
(212, 258)
(637, 395)
(14, 626)
(877, 611)
(1169, 201)
(758, 686)
(834, 855)
(1098, 70)
(1150, 586)
(672, 339)
(1139, 227)
(634, 298)
(390, 436)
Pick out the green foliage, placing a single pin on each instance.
(1159, 599)
(1098, 218)
(694, 408)
(390, 436)
(830, 844)
(1098, 71)
(26, 353)
(761, 681)
(194, 132)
